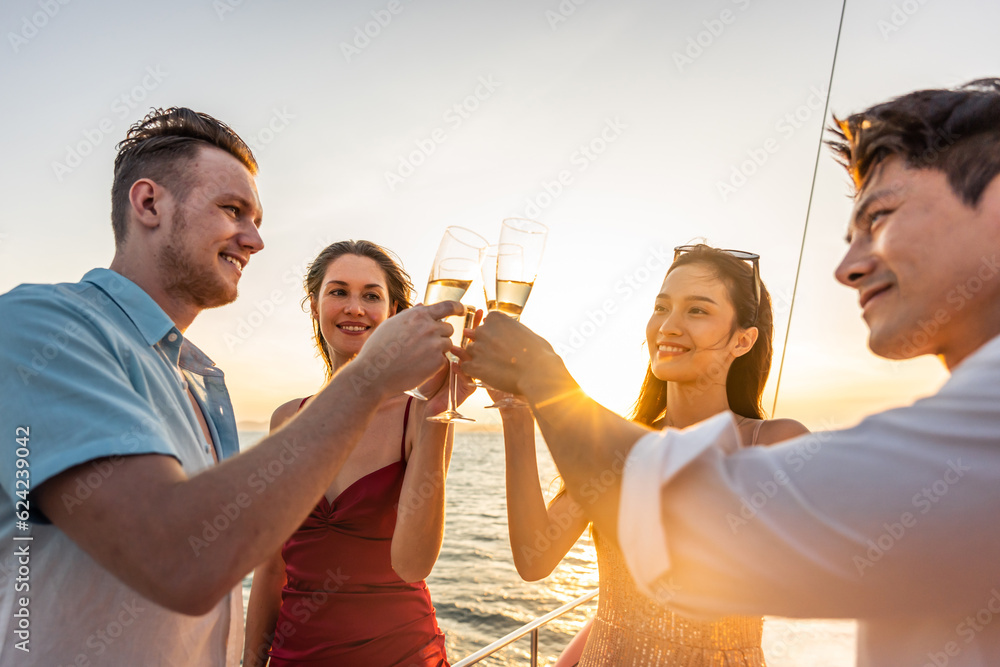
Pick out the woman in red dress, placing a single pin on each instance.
(347, 588)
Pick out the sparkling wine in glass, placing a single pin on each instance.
(515, 274)
(490, 261)
(448, 289)
(455, 266)
(511, 297)
(512, 254)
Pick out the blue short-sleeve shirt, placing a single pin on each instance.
(96, 370)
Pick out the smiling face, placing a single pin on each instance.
(351, 302)
(691, 331)
(212, 232)
(924, 264)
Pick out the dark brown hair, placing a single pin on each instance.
(159, 147)
(748, 373)
(954, 131)
(397, 281)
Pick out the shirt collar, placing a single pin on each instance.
(147, 316)
(983, 354)
(152, 322)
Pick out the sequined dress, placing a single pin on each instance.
(631, 629)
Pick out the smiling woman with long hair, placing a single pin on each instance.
(347, 588)
(709, 339)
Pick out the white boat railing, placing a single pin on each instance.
(531, 627)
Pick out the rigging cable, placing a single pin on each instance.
(812, 189)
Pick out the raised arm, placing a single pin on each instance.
(419, 532)
(170, 561)
(540, 536)
(854, 523)
(589, 443)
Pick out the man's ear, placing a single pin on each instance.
(745, 339)
(147, 201)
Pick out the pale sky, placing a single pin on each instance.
(626, 127)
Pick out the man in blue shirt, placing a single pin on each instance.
(129, 533)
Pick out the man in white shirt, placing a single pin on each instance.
(890, 521)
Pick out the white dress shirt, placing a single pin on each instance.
(892, 522)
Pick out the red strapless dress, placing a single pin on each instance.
(343, 605)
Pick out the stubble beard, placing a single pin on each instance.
(187, 281)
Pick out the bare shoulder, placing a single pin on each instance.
(284, 412)
(777, 430)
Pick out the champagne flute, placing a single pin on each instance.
(513, 255)
(490, 261)
(456, 264)
(449, 280)
(515, 274)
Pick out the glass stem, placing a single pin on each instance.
(452, 386)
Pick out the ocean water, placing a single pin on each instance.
(479, 596)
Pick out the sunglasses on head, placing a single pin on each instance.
(751, 257)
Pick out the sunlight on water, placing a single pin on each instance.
(479, 596)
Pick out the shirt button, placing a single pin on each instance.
(184, 385)
(172, 337)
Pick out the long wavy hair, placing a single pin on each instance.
(748, 373)
(397, 281)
